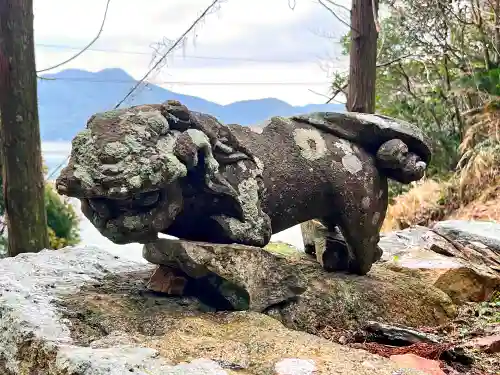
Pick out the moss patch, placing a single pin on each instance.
(181, 329)
(282, 248)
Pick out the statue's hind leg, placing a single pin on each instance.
(331, 250)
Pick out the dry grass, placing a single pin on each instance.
(415, 207)
(469, 192)
(488, 210)
(479, 167)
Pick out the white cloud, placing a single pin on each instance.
(260, 29)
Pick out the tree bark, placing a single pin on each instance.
(363, 57)
(20, 133)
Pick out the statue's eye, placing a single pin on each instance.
(106, 158)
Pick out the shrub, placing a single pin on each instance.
(476, 178)
(62, 220)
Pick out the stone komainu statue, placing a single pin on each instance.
(162, 168)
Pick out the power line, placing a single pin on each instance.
(184, 56)
(169, 50)
(155, 66)
(87, 46)
(185, 83)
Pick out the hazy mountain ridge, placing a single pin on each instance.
(68, 98)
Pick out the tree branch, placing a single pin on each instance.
(177, 42)
(338, 5)
(332, 12)
(338, 91)
(395, 60)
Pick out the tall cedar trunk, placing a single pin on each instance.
(20, 133)
(363, 57)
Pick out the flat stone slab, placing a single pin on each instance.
(258, 276)
(463, 273)
(296, 290)
(398, 243)
(83, 311)
(463, 231)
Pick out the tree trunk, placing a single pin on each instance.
(363, 57)
(20, 133)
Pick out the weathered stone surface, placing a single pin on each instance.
(468, 232)
(397, 335)
(326, 245)
(335, 300)
(167, 280)
(478, 241)
(313, 235)
(295, 366)
(403, 150)
(295, 290)
(464, 273)
(427, 366)
(425, 254)
(82, 311)
(258, 277)
(488, 344)
(417, 237)
(159, 168)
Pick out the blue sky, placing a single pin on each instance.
(244, 41)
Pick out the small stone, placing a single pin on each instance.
(397, 334)
(488, 344)
(243, 272)
(295, 366)
(167, 280)
(412, 361)
(369, 365)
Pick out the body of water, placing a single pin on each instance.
(55, 155)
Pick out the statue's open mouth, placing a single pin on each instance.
(137, 218)
(137, 204)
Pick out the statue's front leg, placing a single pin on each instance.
(243, 221)
(188, 146)
(253, 226)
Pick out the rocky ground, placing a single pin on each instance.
(468, 344)
(430, 306)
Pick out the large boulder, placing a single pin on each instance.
(462, 258)
(480, 239)
(462, 273)
(297, 291)
(486, 232)
(83, 311)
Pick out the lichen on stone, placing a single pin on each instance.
(311, 143)
(201, 140)
(352, 163)
(115, 149)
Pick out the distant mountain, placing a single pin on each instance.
(68, 98)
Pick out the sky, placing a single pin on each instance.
(246, 49)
